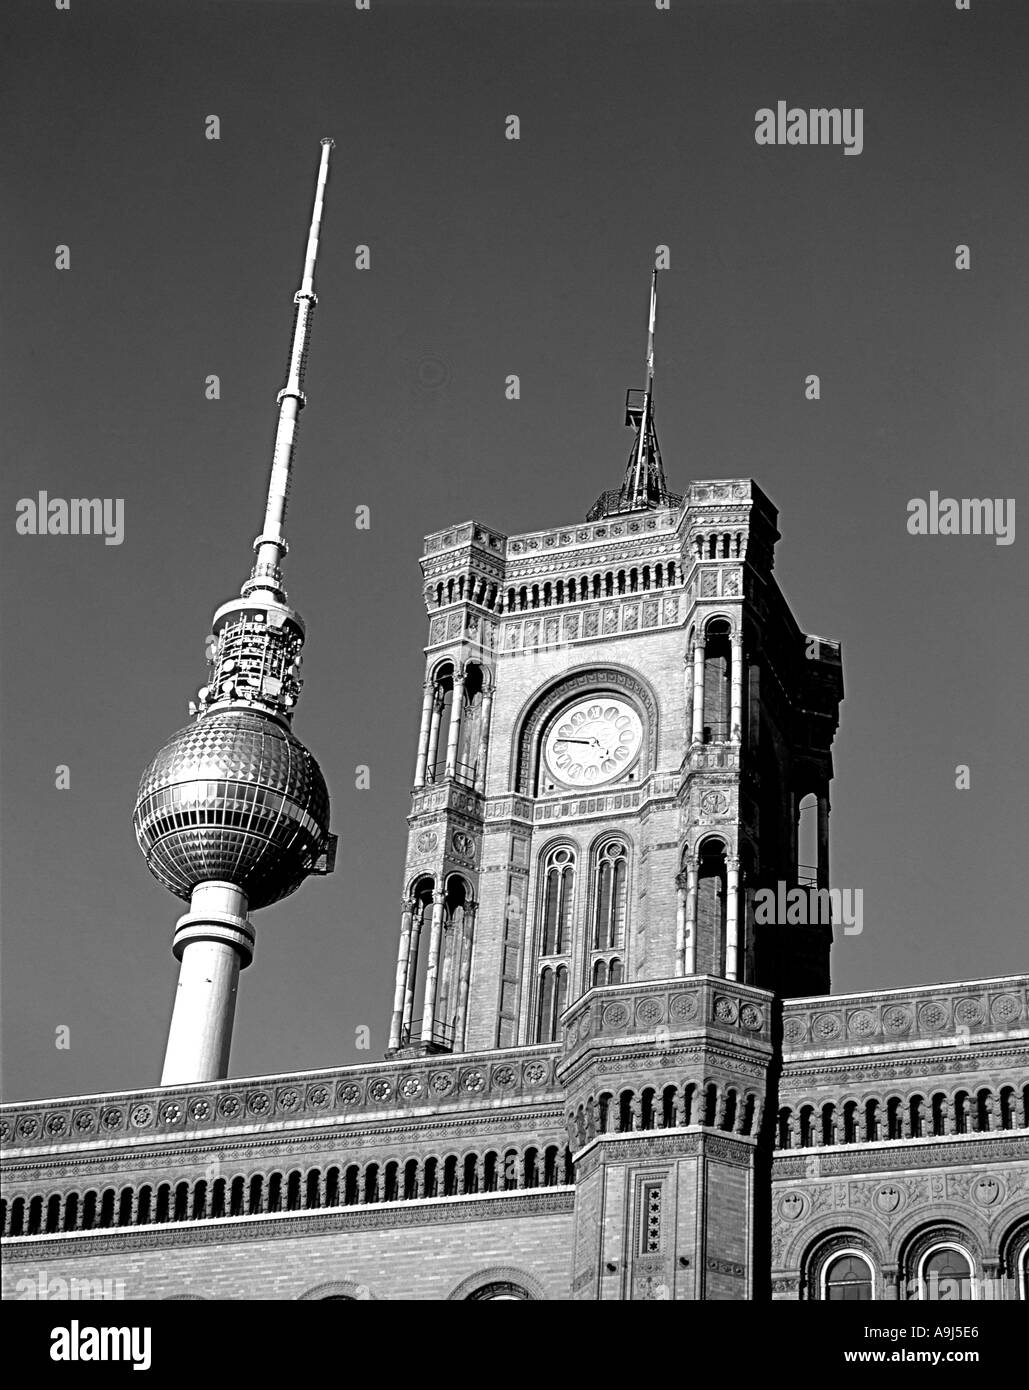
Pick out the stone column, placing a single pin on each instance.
(690, 926)
(736, 688)
(433, 749)
(698, 691)
(680, 922)
(732, 890)
(721, 1100)
(423, 734)
(946, 1118)
(432, 968)
(687, 696)
(445, 980)
(480, 760)
(456, 715)
(464, 977)
(403, 954)
(410, 977)
(822, 870)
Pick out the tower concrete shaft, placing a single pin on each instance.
(213, 942)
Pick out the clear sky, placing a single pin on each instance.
(491, 257)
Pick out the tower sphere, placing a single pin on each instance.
(236, 797)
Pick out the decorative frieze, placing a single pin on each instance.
(899, 1017)
(343, 1093)
(448, 796)
(693, 1003)
(542, 628)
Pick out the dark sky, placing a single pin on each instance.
(490, 257)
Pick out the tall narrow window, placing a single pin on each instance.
(717, 692)
(558, 887)
(611, 896)
(554, 938)
(609, 899)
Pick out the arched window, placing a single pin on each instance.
(610, 896)
(500, 1291)
(607, 971)
(454, 962)
(552, 997)
(716, 681)
(711, 917)
(848, 1278)
(945, 1275)
(558, 892)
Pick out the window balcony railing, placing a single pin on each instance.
(463, 772)
(442, 1035)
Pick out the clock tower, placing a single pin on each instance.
(621, 722)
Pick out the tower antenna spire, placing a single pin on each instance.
(644, 486)
(271, 544)
(233, 812)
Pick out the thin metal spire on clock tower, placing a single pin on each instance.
(644, 486)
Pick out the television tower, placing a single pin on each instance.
(233, 813)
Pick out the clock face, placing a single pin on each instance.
(594, 741)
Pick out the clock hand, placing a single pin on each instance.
(590, 742)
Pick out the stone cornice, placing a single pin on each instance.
(863, 1160)
(643, 1064)
(907, 1071)
(651, 1145)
